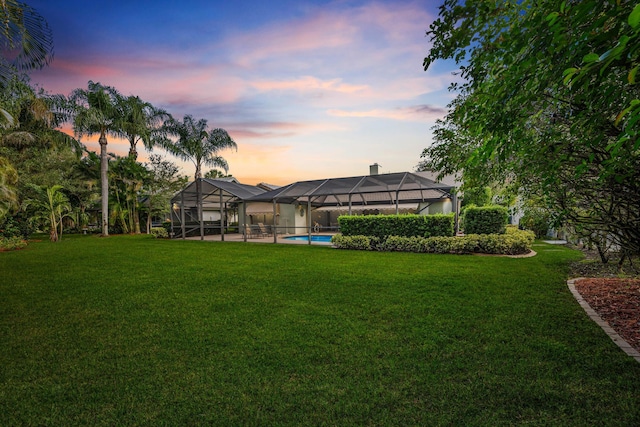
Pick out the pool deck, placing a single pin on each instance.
(236, 237)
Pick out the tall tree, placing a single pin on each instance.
(141, 122)
(98, 111)
(196, 143)
(548, 103)
(25, 39)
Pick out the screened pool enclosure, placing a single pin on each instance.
(224, 206)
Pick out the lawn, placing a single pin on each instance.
(135, 331)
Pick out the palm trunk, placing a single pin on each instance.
(149, 219)
(199, 198)
(136, 216)
(53, 232)
(104, 181)
(61, 227)
(133, 153)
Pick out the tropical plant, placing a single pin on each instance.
(127, 179)
(163, 183)
(196, 143)
(25, 37)
(82, 187)
(215, 173)
(33, 116)
(8, 181)
(141, 122)
(98, 111)
(49, 208)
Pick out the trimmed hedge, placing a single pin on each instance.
(382, 226)
(485, 220)
(513, 242)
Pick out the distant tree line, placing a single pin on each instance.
(50, 181)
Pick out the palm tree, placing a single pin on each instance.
(127, 179)
(33, 118)
(199, 145)
(26, 34)
(141, 121)
(215, 173)
(98, 111)
(51, 206)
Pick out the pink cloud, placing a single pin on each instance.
(308, 83)
(424, 113)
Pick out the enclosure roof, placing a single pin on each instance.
(367, 189)
(231, 190)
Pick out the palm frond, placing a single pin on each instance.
(23, 29)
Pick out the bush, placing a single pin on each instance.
(513, 242)
(537, 221)
(361, 243)
(12, 243)
(382, 226)
(485, 220)
(159, 232)
(11, 226)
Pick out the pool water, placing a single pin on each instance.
(322, 238)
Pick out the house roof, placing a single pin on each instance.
(231, 191)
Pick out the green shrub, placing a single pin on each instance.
(513, 242)
(361, 243)
(11, 226)
(485, 220)
(159, 232)
(382, 226)
(12, 243)
(537, 221)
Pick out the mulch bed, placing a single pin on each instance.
(617, 301)
(612, 291)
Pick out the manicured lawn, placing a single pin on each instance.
(135, 331)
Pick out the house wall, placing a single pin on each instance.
(210, 215)
(287, 220)
(441, 207)
(301, 221)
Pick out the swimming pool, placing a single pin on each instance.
(320, 238)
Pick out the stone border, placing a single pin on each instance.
(527, 255)
(604, 325)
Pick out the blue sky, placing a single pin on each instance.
(306, 89)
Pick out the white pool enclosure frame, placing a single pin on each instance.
(221, 206)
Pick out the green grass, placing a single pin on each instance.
(136, 331)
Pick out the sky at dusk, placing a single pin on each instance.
(307, 89)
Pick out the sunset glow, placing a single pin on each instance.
(306, 89)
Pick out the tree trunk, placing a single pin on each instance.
(104, 182)
(53, 232)
(149, 219)
(133, 153)
(199, 199)
(136, 217)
